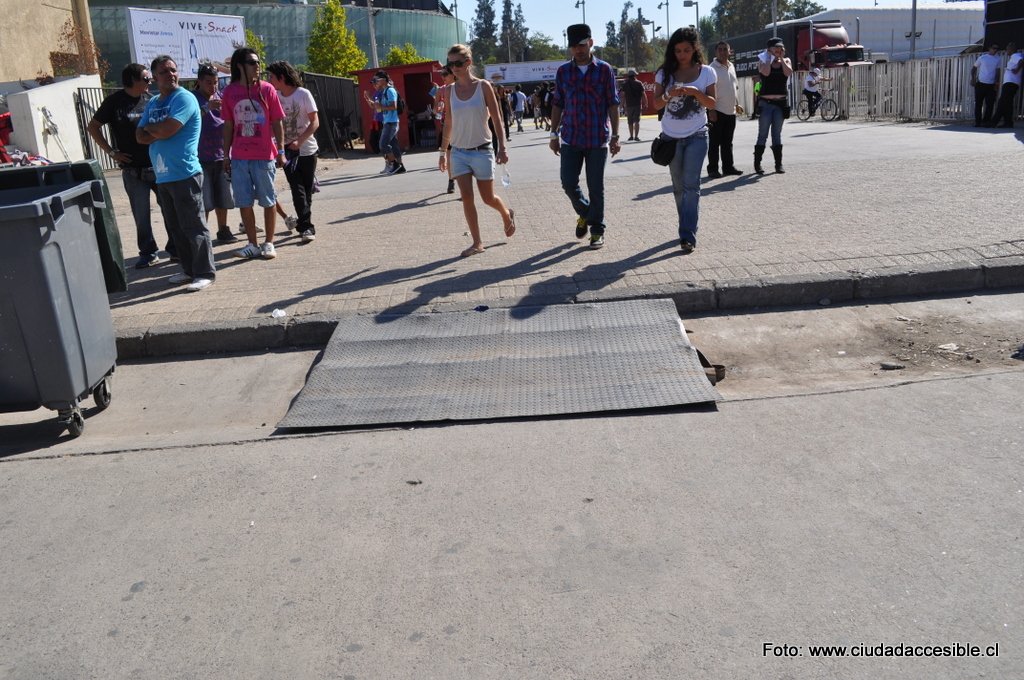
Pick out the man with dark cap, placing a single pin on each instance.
(584, 102)
(636, 99)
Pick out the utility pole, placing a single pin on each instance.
(668, 24)
(582, 4)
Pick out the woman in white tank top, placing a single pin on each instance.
(471, 101)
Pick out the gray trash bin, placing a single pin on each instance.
(56, 333)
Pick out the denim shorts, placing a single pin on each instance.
(253, 182)
(216, 187)
(476, 162)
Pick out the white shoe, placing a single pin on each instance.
(248, 252)
(198, 284)
(308, 236)
(291, 222)
(386, 170)
(178, 279)
(268, 251)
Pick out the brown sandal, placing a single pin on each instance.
(472, 250)
(511, 228)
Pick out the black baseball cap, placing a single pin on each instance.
(578, 34)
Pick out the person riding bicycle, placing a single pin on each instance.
(811, 89)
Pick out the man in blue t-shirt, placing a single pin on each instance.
(170, 125)
(387, 104)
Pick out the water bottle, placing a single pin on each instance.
(506, 177)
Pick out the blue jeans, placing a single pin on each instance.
(771, 117)
(138, 184)
(389, 141)
(573, 158)
(686, 168)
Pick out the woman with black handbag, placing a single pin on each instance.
(685, 88)
(775, 69)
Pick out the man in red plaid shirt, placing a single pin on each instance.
(585, 100)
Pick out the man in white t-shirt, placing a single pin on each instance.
(518, 107)
(985, 79)
(811, 89)
(1011, 85)
(301, 121)
(722, 118)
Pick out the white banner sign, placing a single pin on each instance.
(523, 72)
(190, 38)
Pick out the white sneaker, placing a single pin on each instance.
(268, 251)
(308, 236)
(241, 228)
(248, 252)
(291, 222)
(198, 284)
(179, 278)
(386, 170)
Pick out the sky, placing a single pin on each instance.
(552, 16)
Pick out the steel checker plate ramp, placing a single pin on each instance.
(502, 363)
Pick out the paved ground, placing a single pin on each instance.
(865, 210)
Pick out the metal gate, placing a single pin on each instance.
(87, 101)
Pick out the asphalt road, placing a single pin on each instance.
(825, 502)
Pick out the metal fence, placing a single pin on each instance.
(87, 100)
(924, 89)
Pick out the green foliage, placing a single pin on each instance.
(485, 32)
(798, 9)
(540, 47)
(332, 46)
(253, 41)
(736, 17)
(406, 54)
(709, 36)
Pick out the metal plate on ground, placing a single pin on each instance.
(502, 363)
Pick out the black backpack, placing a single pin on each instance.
(399, 103)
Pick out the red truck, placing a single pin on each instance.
(832, 46)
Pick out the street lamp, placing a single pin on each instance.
(668, 24)
(582, 4)
(455, 8)
(696, 5)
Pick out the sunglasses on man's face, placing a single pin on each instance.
(456, 64)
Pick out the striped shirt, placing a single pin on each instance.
(584, 99)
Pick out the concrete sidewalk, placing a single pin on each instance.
(864, 211)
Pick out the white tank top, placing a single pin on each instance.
(469, 119)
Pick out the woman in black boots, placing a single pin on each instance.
(775, 69)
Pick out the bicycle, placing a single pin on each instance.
(827, 107)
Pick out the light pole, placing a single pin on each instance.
(668, 24)
(582, 4)
(695, 5)
(565, 40)
(455, 8)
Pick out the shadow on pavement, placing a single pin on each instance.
(396, 207)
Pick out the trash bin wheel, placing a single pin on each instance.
(73, 420)
(101, 394)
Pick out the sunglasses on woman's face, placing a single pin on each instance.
(456, 64)
(252, 61)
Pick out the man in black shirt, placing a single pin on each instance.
(636, 99)
(121, 111)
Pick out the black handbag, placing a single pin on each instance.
(663, 150)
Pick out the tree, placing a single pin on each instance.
(485, 32)
(520, 33)
(76, 54)
(709, 36)
(406, 54)
(798, 9)
(736, 17)
(507, 49)
(612, 35)
(254, 42)
(540, 47)
(332, 46)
